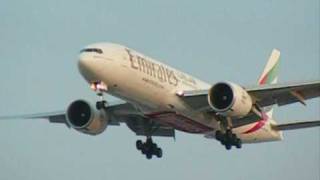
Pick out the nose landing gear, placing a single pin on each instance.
(100, 88)
(149, 148)
(101, 104)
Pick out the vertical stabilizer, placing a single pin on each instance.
(270, 72)
(270, 75)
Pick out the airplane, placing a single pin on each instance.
(160, 100)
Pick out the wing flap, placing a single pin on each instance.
(297, 125)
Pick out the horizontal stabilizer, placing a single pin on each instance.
(297, 125)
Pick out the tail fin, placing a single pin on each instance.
(270, 75)
(270, 72)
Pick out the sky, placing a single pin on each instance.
(212, 40)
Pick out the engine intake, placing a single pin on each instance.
(229, 99)
(84, 118)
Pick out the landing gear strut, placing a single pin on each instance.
(228, 138)
(101, 104)
(100, 88)
(149, 148)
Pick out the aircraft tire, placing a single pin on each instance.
(228, 146)
(139, 144)
(148, 155)
(238, 143)
(158, 152)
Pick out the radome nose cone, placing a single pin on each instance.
(82, 61)
(88, 67)
(84, 64)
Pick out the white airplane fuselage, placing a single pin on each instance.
(152, 87)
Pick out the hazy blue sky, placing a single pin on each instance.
(213, 40)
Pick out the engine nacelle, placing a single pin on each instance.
(229, 99)
(84, 118)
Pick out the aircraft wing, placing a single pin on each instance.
(119, 113)
(54, 117)
(263, 95)
(297, 125)
(285, 94)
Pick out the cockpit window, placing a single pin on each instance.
(96, 50)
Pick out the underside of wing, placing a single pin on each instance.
(285, 94)
(297, 125)
(196, 99)
(263, 95)
(54, 117)
(142, 126)
(117, 113)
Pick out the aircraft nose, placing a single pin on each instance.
(86, 65)
(84, 62)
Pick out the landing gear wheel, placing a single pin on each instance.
(148, 155)
(228, 139)
(158, 152)
(144, 149)
(149, 148)
(228, 146)
(154, 146)
(238, 143)
(139, 145)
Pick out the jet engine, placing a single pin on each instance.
(83, 117)
(229, 99)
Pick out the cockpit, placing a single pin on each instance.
(96, 50)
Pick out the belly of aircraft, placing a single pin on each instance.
(179, 122)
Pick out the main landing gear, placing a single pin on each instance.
(149, 148)
(227, 137)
